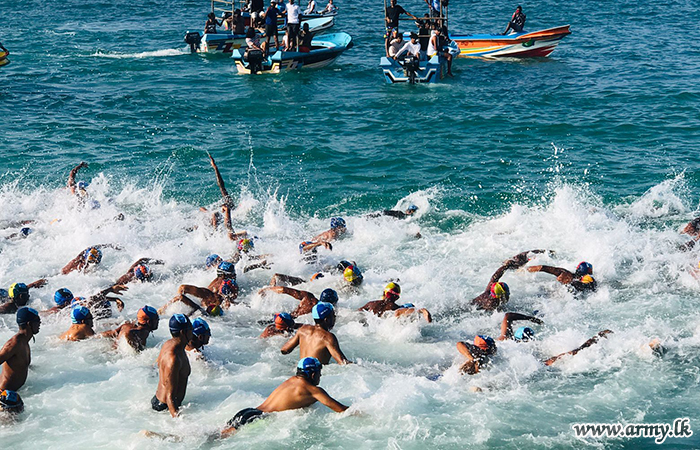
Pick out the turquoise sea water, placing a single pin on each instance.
(592, 152)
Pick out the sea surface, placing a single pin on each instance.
(592, 153)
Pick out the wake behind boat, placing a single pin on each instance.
(324, 51)
(535, 44)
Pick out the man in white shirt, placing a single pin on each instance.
(411, 48)
(292, 24)
(311, 8)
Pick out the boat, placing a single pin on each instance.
(535, 44)
(324, 50)
(4, 53)
(225, 42)
(412, 71)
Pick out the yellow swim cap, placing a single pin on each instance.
(392, 288)
(586, 279)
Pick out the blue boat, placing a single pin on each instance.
(413, 71)
(325, 49)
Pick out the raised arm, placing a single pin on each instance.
(290, 345)
(563, 275)
(220, 182)
(73, 264)
(296, 293)
(37, 284)
(322, 397)
(586, 344)
(73, 173)
(506, 330)
(335, 351)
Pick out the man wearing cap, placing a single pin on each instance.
(88, 258)
(477, 354)
(317, 340)
(137, 333)
(139, 271)
(307, 300)
(15, 357)
(173, 367)
(581, 280)
(82, 325)
(211, 302)
(497, 293)
(522, 333)
(392, 293)
(283, 324)
(201, 333)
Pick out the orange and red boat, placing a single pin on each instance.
(535, 44)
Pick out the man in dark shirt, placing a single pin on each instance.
(256, 9)
(517, 22)
(271, 25)
(392, 21)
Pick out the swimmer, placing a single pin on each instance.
(691, 229)
(224, 271)
(17, 296)
(411, 210)
(522, 333)
(353, 277)
(213, 261)
(63, 298)
(201, 333)
(100, 303)
(173, 367)
(317, 340)
(211, 302)
(82, 325)
(283, 324)
(299, 391)
(477, 354)
(21, 234)
(392, 292)
(15, 357)
(77, 188)
(337, 230)
(139, 271)
(226, 206)
(307, 300)
(244, 250)
(136, 334)
(88, 258)
(581, 280)
(497, 292)
(586, 344)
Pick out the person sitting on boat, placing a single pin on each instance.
(271, 24)
(411, 48)
(254, 51)
(330, 8)
(306, 38)
(227, 21)
(256, 10)
(310, 8)
(392, 21)
(212, 23)
(396, 43)
(517, 22)
(435, 47)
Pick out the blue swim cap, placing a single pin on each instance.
(93, 255)
(83, 184)
(408, 305)
(25, 231)
(228, 287)
(284, 321)
(523, 334)
(26, 315)
(226, 269)
(322, 310)
(62, 296)
(412, 208)
(200, 327)
(309, 365)
(4, 294)
(213, 260)
(337, 222)
(179, 322)
(79, 314)
(328, 296)
(18, 290)
(142, 272)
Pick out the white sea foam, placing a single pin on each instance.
(405, 381)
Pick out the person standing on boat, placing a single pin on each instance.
(423, 35)
(293, 14)
(517, 22)
(392, 21)
(271, 25)
(256, 9)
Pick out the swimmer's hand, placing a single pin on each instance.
(536, 320)
(604, 333)
(82, 165)
(119, 303)
(38, 283)
(116, 289)
(328, 245)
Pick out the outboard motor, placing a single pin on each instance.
(254, 58)
(410, 68)
(193, 39)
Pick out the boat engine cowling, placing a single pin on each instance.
(193, 39)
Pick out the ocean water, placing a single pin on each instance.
(591, 153)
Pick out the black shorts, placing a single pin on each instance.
(270, 30)
(159, 406)
(245, 416)
(10, 401)
(293, 30)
